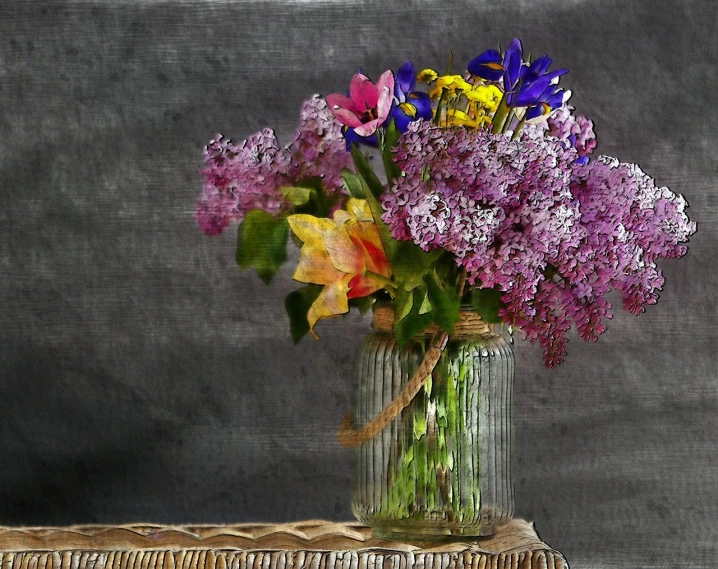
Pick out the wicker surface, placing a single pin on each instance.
(302, 545)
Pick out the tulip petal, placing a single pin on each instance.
(344, 254)
(367, 129)
(340, 101)
(310, 229)
(364, 94)
(386, 81)
(316, 267)
(347, 117)
(332, 301)
(359, 287)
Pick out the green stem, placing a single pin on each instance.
(497, 123)
(380, 139)
(462, 282)
(519, 126)
(507, 122)
(437, 115)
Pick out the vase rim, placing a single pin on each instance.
(470, 322)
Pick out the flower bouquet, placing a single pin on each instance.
(488, 196)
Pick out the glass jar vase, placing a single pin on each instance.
(443, 465)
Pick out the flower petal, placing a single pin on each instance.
(364, 94)
(405, 81)
(347, 117)
(513, 61)
(367, 129)
(488, 65)
(310, 229)
(340, 101)
(332, 301)
(315, 266)
(386, 81)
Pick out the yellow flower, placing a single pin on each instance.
(426, 76)
(451, 85)
(344, 254)
(488, 96)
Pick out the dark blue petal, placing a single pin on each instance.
(540, 65)
(556, 99)
(513, 62)
(352, 137)
(535, 91)
(422, 102)
(488, 65)
(582, 160)
(405, 80)
(535, 111)
(401, 119)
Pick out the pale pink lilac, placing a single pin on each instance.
(318, 149)
(576, 131)
(240, 178)
(246, 176)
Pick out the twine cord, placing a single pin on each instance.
(470, 323)
(349, 436)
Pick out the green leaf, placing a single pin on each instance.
(319, 204)
(297, 305)
(446, 302)
(403, 303)
(262, 243)
(425, 307)
(419, 427)
(391, 138)
(366, 171)
(410, 263)
(487, 301)
(414, 322)
(355, 185)
(296, 195)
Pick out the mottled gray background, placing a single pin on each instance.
(144, 378)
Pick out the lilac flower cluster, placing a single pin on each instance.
(527, 216)
(572, 130)
(240, 178)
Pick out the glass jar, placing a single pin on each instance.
(443, 465)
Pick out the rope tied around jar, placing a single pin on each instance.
(470, 324)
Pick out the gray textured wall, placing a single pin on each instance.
(143, 377)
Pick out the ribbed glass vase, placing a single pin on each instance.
(443, 466)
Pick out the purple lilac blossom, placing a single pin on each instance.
(240, 178)
(318, 149)
(576, 131)
(552, 234)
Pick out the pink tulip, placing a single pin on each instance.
(367, 106)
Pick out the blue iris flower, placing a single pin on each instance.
(532, 86)
(352, 137)
(409, 105)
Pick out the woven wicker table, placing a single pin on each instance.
(301, 545)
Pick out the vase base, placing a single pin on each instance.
(423, 529)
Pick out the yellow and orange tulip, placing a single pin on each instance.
(344, 254)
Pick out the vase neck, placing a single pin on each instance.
(469, 324)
